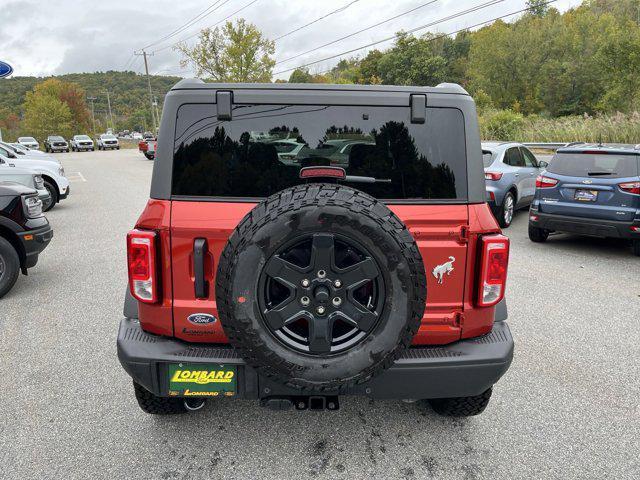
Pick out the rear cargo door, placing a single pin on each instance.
(222, 168)
(589, 185)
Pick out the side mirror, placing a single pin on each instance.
(543, 164)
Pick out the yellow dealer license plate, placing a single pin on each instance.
(202, 380)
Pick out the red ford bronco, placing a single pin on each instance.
(305, 242)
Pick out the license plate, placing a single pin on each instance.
(202, 380)
(586, 195)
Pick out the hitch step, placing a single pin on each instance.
(300, 402)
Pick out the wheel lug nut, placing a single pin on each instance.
(337, 284)
(306, 283)
(320, 310)
(305, 301)
(322, 274)
(336, 301)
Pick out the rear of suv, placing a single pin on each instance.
(589, 190)
(295, 281)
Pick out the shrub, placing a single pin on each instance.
(501, 125)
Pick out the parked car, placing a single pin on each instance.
(319, 285)
(137, 136)
(55, 143)
(22, 150)
(28, 178)
(29, 142)
(25, 232)
(510, 171)
(107, 141)
(150, 151)
(288, 149)
(142, 146)
(82, 142)
(589, 190)
(18, 151)
(51, 171)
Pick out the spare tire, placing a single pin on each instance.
(320, 286)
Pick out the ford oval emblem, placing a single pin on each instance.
(5, 69)
(201, 318)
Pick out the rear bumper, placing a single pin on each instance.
(34, 242)
(585, 226)
(465, 368)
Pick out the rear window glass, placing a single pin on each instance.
(487, 158)
(262, 149)
(594, 165)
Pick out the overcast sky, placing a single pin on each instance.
(44, 37)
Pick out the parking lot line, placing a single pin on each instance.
(76, 177)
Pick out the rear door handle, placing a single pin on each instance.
(199, 255)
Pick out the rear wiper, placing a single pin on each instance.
(597, 174)
(358, 179)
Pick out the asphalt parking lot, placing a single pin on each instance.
(569, 407)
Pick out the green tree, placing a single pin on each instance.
(233, 53)
(72, 95)
(300, 76)
(46, 115)
(538, 8)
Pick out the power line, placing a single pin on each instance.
(208, 11)
(341, 9)
(356, 33)
(437, 37)
(436, 22)
(210, 26)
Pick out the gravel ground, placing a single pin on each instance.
(568, 407)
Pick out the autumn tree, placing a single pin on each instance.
(72, 95)
(46, 115)
(233, 53)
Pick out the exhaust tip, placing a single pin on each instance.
(194, 404)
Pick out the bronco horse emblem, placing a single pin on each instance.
(440, 270)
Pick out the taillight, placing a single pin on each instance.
(630, 187)
(492, 175)
(141, 259)
(494, 251)
(545, 182)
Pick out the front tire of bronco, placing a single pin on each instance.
(461, 406)
(155, 405)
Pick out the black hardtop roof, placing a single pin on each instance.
(198, 84)
(621, 148)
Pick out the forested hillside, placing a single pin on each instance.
(128, 93)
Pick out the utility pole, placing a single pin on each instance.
(155, 104)
(110, 114)
(93, 114)
(146, 69)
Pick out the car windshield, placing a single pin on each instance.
(56, 138)
(27, 139)
(108, 137)
(604, 165)
(82, 137)
(487, 157)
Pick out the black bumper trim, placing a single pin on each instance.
(585, 226)
(465, 368)
(32, 248)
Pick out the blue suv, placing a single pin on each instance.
(589, 190)
(510, 171)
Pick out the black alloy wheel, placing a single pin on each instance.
(321, 294)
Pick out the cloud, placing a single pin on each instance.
(66, 36)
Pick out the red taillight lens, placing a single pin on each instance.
(492, 175)
(494, 251)
(630, 187)
(545, 182)
(141, 259)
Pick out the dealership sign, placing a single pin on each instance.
(5, 69)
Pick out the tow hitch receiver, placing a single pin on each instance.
(302, 403)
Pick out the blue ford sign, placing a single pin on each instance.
(5, 69)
